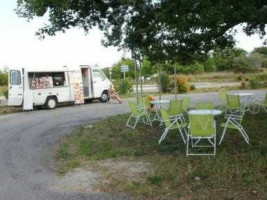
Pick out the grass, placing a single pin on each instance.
(9, 109)
(237, 172)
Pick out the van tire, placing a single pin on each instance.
(51, 103)
(104, 96)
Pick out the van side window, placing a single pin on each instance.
(15, 78)
(98, 74)
(41, 80)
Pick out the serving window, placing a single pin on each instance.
(43, 80)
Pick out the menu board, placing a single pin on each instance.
(77, 85)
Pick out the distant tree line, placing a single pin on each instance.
(228, 59)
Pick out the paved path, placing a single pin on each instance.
(26, 166)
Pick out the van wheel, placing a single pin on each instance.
(104, 97)
(51, 103)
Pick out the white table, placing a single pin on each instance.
(205, 112)
(158, 104)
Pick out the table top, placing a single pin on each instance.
(159, 101)
(242, 93)
(205, 112)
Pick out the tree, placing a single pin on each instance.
(260, 50)
(163, 31)
(147, 68)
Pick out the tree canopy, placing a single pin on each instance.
(161, 30)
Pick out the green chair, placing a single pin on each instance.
(201, 127)
(175, 108)
(172, 124)
(205, 106)
(235, 117)
(223, 96)
(260, 105)
(137, 114)
(185, 104)
(145, 104)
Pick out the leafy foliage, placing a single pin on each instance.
(3, 78)
(164, 82)
(160, 30)
(123, 86)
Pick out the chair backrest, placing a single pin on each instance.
(223, 95)
(185, 103)
(144, 102)
(201, 125)
(175, 107)
(165, 116)
(233, 102)
(133, 107)
(205, 105)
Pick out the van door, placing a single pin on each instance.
(99, 82)
(15, 88)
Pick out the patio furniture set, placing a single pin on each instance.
(197, 126)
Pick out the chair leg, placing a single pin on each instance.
(244, 134)
(163, 135)
(137, 119)
(181, 133)
(187, 145)
(224, 131)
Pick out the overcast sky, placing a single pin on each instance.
(20, 47)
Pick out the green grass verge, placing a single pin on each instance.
(8, 110)
(238, 171)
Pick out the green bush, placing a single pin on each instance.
(123, 86)
(196, 68)
(243, 64)
(264, 63)
(164, 82)
(209, 65)
(3, 78)
(258, 81)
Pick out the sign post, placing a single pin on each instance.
(124, 68)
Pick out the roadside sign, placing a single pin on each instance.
(124, 68)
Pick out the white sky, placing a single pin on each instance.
(20, 47)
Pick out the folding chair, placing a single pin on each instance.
(234, 118)
(258, 106)
(201, 127)
(185, 104)
(204, 106)
(145, 104)
(223, 98)
(172, 124)
(137, 114)
(175, 109)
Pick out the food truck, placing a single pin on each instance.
(38, 87)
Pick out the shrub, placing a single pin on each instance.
(182, 84)
(6, 93)
(239, 76)
(209, 65)
(123, 86)
(164, 82)
(196, 68)
(3, 78)
(258, 81)
(264, 63)
(242, 64)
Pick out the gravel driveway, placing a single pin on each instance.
(26, 166)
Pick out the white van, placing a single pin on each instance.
(31, 87)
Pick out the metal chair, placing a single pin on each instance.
(172, 124)
(201, 127)
(235, 117)
(137, 114)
